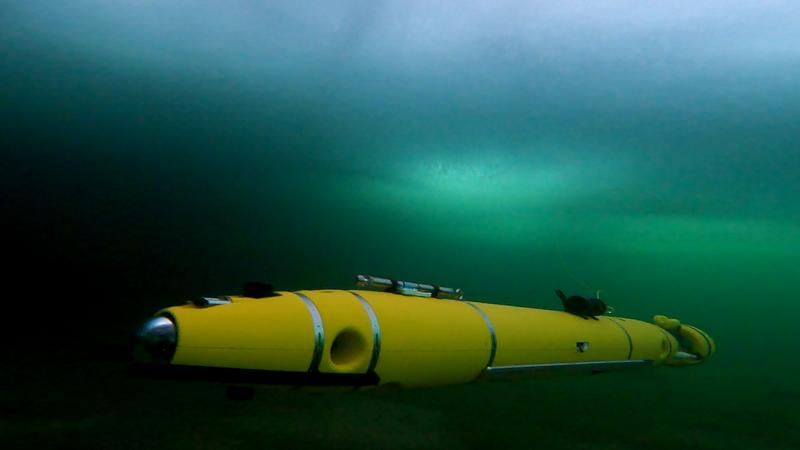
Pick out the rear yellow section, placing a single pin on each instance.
(536, 336)
(648, 340)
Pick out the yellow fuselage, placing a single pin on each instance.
(407, 341)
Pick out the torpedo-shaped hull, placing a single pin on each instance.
(363, 338)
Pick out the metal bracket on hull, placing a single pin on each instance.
(409, 287)
(532, 370)
(204, 302)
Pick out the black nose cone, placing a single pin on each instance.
(155, 341)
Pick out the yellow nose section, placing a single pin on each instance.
(278, 334)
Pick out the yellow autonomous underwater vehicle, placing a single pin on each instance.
(396, 334)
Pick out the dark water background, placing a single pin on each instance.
(156, 152)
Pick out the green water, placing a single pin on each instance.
(153, 153)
